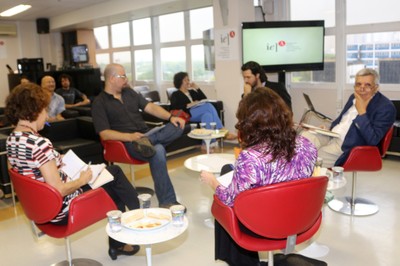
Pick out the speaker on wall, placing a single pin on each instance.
(42, 25)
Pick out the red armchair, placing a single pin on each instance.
(364, 159)
(284, 214)
(115, 152)
(42, 202)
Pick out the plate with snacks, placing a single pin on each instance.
(146, 219)
(201, 132)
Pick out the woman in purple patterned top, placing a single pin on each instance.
(272, 153)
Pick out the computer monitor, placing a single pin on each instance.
(80, 53)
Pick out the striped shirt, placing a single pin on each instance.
(27, 152)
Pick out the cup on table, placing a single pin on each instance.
(337, 173)
(193, 126)
(114, 220)
(145, 200)
(177, 213)
(213, 126)
(203, 125)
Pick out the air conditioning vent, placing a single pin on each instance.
(8, 29)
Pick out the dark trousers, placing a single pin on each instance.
(122, 193)
(226, 248)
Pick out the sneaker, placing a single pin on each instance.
(168, 205)
(144, 147)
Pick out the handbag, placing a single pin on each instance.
(182, 114)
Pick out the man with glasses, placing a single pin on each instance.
(117, 115)
(364, 120)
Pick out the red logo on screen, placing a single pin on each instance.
(281, 43)
(232, 34)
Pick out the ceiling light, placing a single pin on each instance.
(15, 10)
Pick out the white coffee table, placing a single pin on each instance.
(147, 238)
(207, 139)
(209, 162)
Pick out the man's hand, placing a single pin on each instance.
(177, 121)
(361, 104)
(136, 136)
(246, 89)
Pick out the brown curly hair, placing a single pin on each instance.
(26, 102)
(263, 117)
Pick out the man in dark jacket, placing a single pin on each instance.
(254, 76)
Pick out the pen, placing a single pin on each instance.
(47, 124)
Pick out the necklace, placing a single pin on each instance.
(29, 127)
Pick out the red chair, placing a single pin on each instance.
(42, 202)
(364, 159)
(114, 151)
(284, 214)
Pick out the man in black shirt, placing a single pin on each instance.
(254, 76)
(116, 113)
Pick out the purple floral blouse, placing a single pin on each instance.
(254, 169)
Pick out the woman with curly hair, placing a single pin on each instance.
(272, 153)
(34, 156)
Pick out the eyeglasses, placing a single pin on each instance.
(121, 76)
(366, 86)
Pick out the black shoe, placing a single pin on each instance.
(168, 205)
(114, 252)
(144, 147)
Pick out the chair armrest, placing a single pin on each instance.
(89, 208)
(363, 158)
(225, 216)
(115, 151)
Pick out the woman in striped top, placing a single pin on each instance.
(34, 156)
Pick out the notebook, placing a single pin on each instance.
(311, 107)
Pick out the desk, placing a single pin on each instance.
(209, 162)
(207, 139)
(147, 238)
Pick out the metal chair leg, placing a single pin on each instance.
(351, 205)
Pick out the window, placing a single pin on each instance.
(313, 10)
(120, 35)
(101, 36)
(173, 60)
(379, 51)
(141, 31)
(200, 20)
(102, 61)
(370, 11)
(153, 49)
(144, 65)
(199, 71)
(172, 27)
(124, 59)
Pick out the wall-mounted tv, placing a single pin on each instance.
(80, 53)
(284, 46)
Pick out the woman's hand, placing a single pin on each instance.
(86, 176)
(191, 104)
(209, 179)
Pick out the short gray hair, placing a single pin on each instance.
(369, 72)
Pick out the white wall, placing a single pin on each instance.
(27, 44)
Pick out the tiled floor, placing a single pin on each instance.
(372, 240)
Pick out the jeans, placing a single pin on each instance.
(158, 163)
(205, 113)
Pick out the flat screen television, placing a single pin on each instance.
(284, 46)
(80, 53)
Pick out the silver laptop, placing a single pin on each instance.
(312, 109)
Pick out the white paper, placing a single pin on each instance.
(225, 179)
(73, 166)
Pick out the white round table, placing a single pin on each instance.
(209, 162)
(149, 237)
(207, 138)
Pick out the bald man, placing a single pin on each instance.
(57, 103)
